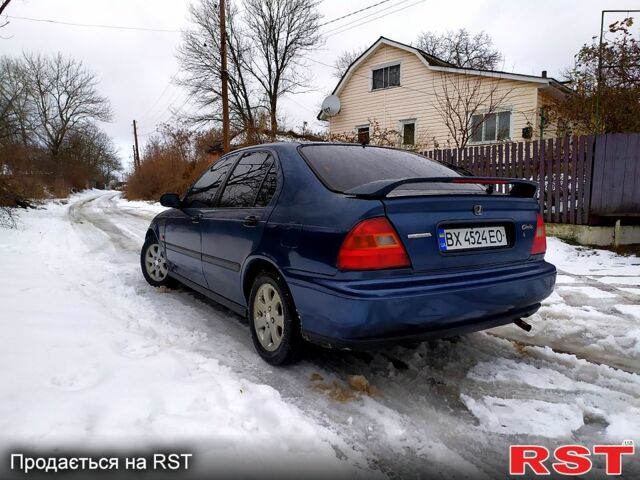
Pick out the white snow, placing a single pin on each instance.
(523, 414)
(591, 317)
(525, 417)
(564, 279)
(631, 310)
(95, 357)
(621, 280)
(585, 291)
(632, 291)
(589, 261)
(85, 364)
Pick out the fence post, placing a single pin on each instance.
(548, 156)
(565, 179)
(591, 143)
(574, 198)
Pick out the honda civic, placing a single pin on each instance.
(352, 246)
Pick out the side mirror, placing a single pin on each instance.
(171, 200)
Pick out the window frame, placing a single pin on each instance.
(382, 66)
(223, 185)
(362, 127)
(401, 124)
(484, 114)
(223, 180)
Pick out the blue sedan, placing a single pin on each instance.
(352, 246)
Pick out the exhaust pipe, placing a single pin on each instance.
(522, 324)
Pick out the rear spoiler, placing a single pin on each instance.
(381, 188)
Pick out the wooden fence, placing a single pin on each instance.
(583, 179)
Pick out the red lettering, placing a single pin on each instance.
(613, 456)
(573, 460)
(532, 455)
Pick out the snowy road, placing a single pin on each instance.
(101, 358)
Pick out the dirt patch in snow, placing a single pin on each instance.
(354, 387)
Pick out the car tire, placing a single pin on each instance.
(153, 262)
(273, 320)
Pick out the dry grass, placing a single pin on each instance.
(159, 174)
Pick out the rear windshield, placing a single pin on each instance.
(343, 167)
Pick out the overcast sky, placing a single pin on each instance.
(135, 67)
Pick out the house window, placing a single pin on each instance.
(492, 127)
(408, 130)
(363, 134)
(386, 77)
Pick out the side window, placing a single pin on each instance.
(244, 183)
(203, 192)
(268, 187)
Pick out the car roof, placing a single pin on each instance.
(290, 146)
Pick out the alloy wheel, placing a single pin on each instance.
(268, 317)
(155, 263)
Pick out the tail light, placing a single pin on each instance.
(540, 240)
(372, 244)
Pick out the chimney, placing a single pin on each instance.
(544, 74)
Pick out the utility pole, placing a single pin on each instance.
(136, 152)
(224, 78)
(135, 160)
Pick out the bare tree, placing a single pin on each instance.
(266, 45)
(283, 31)
(14, 101)
(3, 6)
(89, 155)
(461, 48)
(463, 97)
(64, 96)
(344, 61)
(199, 59)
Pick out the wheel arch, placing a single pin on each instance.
(151, 233)
(252, 268)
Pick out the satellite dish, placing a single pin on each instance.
(331, 106)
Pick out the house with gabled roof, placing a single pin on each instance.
(433, 104)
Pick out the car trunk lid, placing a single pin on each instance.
(463, 230)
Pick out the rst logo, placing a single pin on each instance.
(567, 459)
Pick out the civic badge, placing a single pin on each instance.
(477, 209)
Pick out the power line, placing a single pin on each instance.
(338, 30)
(366, 16)
(353, 13)
(94, 25)
(150, 109)
(173, 115)
(160, 110)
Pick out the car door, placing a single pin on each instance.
(231, 231)
(182, 237)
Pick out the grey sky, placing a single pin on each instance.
(135, 67)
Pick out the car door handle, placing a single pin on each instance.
(250, 221)
(196, 218)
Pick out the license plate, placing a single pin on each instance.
(470, 238)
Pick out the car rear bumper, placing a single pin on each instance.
(367, 313)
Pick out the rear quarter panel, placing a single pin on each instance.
(309, 222)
